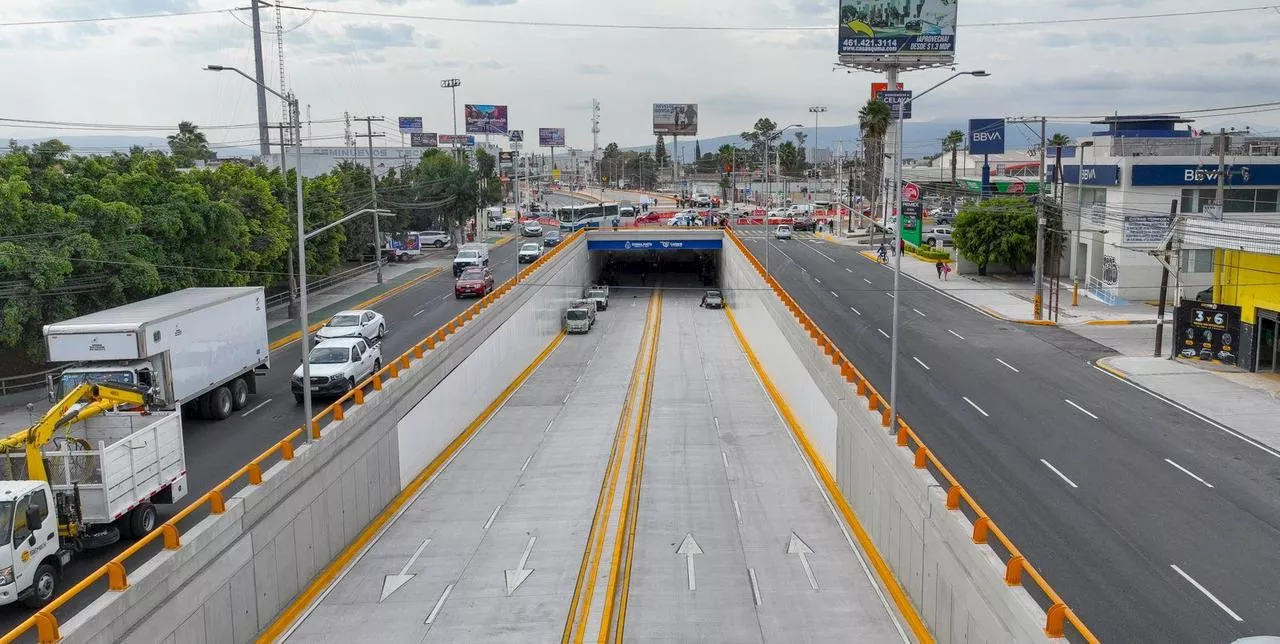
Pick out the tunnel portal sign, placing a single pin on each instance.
(654, 244)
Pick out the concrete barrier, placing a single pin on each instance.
(236, 571)
(956, 587)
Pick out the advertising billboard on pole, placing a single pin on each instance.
(456, 139)
(423, 140)
(986, 136)
(679, 119)
(516, 136)
(911, 30)
(551, 137)
(410, 124)
(485, 119)
(876, 88)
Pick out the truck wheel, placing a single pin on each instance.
(142, 520)
(239, 394)
(220, 403)
(43, 586)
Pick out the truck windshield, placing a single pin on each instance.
(330, 355)
(70, 381)
(345, 320)
(6, 521)
(468, 254)
(576, 314)
(596, 294)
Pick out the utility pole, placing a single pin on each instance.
(284, 176)
(1169, 256)
(1040, 227)
(1222, 141)
(373, 189)
(595, 137)
(264, 139)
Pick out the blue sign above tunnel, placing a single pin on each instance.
(654, 244)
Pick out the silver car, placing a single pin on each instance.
(938, 237)
(783, 231)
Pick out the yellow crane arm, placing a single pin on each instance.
(102, 397)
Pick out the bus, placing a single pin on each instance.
(588, 215)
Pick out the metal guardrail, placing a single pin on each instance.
(1058, 616)
(1106, 293)
(214, 502)
(322, 283)
(27, 381)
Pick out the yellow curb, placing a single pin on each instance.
(1111, 370)
(501, 241)
(1115, 322)
(293, 337)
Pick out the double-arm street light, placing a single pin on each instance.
(452, 85)
(295, 121)
(898, 246)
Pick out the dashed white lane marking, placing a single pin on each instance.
(855, 310)
(1207, 593)
(1189, 473)
(1082, 409)
(1011, 367)
(834, 294)
(922, 364)
(419, 313)
(918, 312)
(257, 407)
(883, 333)
(955, 334)
(1059, 473)
(975, 406)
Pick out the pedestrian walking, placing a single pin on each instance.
(946, 270)
(939, 266)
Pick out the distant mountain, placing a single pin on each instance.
(920, 139)
(106, 144)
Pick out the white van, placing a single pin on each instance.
(470, 255)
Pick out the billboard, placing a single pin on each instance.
(456, 139)
(986, 136)
(876, 88)
(515, 136)
(551, 137)
(898, 101)
(506, 158)
(913, 29)
(486, 119)
(409, 124)
(423, 140)
(1208, 331)
(679, 119)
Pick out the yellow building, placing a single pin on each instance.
(1251, 281)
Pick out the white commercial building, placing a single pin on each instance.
(1123, 185)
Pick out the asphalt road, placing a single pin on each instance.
(215, 449)
(1153, 524)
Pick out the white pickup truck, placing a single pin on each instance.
(337, 366)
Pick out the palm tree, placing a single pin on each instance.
(1057, 142)
(952, 143)
(873, 121)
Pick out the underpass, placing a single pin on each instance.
(676, 474)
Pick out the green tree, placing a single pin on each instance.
(1001, 230)
(873, 121)
(789, 158)
(1056, 143)
(761, 137)
(660, 151)
(190, 145)
(952, 143)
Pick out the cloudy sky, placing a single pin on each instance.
(148, 71)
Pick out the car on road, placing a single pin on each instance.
(473, 281)
(434, 238)
(529, 253)
(552, 237)
(938, 237)
(944, 217)
(359, 323)
(502, 223)
(531, 229)
(337, 366)
(783, 231)
(712, 299)
(804, 221)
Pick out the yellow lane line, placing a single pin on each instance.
(325, 578)
(887, 578)
(581, 602)
(293, 337)
(624, 546)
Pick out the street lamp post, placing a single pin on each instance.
(768, 190)
(303, 339)
(1075, 269)
(897, 263)
(452, 85)
(813, 145)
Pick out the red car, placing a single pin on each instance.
(473, 281)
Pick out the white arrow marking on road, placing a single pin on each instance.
(517, 576)
(392, 583)
(798, 547)
(688, 548)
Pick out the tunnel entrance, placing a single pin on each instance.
(655, 261)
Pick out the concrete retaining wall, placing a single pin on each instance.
(237, 571)
(956, 587)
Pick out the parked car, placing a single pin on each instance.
(434, 238)
(938, 237)
(944, 217)
(337, 366)
(531, 229)
(552, 237)
(804, 221)
(473, 281)
(363, 323)
(783, 231)
(529, 253)
(712, 299)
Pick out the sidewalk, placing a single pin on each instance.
(1245, 403)
(360, 292)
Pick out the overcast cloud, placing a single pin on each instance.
(149, 71)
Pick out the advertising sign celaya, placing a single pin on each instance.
(910, 29)
(1208, 331)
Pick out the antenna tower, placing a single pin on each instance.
(280, 58)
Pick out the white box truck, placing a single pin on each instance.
(83, 478)
(198, 348)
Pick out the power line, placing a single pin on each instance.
(146, 16)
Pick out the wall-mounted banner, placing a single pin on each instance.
(986, 136)
(1208, 331)
(1093, 175)
(1237, 175)
(654, 244)
(551, 137)
(423, 140)
(410, 124)
(911, 29)
(1144, 230)
(486, 119)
